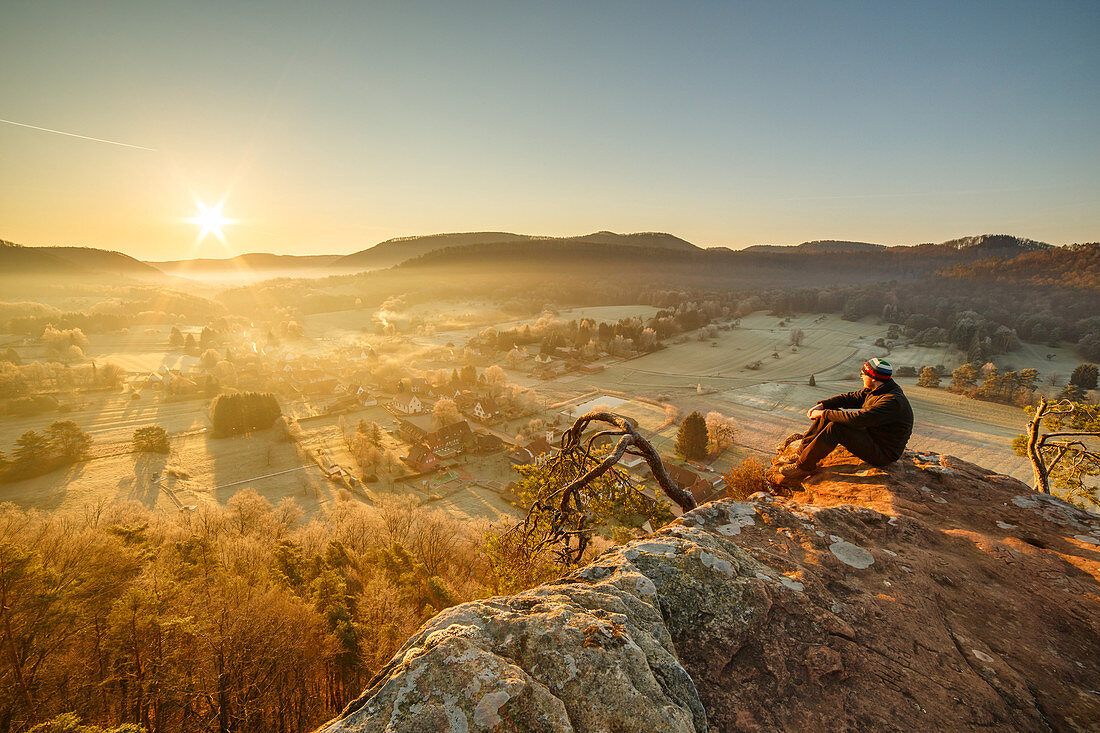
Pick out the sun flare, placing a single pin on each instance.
(210, 220)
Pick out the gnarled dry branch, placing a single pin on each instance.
(560, 519)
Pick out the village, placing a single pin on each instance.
(374, 416)
(443, 417)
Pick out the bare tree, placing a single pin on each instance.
(721, 431)
(446, 413)
(1068, 454)
(560, 519)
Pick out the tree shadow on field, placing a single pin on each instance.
(248, 460)
(143, 485)
(48, 491)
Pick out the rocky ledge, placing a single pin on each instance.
(927, 595)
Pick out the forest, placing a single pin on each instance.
(231, 618)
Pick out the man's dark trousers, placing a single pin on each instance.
(825, 435)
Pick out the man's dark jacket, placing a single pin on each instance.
(884, 413)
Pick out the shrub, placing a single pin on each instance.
(31, 405)
(150, 439)
(745, 479)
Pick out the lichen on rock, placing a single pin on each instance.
(859, 603)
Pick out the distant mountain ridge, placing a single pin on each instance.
(486, 247)
(16, 259)
(996, 241)
(822, 245)
(977, 242)
(395, 251)
(249, 261)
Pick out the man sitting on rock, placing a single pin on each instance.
(874, 424)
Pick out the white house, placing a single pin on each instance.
(485, 409)
(407, 403)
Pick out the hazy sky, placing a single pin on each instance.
(327, 127)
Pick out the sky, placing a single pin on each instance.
(327, 127)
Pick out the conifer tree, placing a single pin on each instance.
(691, 440)
(928, 377)
(1084, 376)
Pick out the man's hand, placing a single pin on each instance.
(815, 412)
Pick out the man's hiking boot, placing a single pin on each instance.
(790, 475)
(787, 451)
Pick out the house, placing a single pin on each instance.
(543, 359)
(343, 404)
(324, 385)
(450, 440)
(521, 457)
(708, 489)
(406, 403)
(415, 428)
(464, 400)
(421, 459)
(419, 385)
(365, 398)
(485, 408)
(487, 442)
(684, 478)
(702, 489)
(537, 451)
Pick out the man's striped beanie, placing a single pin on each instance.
(879, 369)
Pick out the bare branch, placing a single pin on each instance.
(560, 518)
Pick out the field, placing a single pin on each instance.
(769, 402)
(750, 372)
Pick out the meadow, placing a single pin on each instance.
(749, 371)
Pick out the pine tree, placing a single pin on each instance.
(928, 377)
(1084, 376)
(812, 382)
(691, 440)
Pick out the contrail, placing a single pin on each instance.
(82, 137)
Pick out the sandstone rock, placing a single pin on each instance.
(859, 603)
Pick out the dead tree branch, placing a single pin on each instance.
(560, 518)
(1046, 450)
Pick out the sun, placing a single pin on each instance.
(210, 220)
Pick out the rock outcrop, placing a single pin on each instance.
(929, 595)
